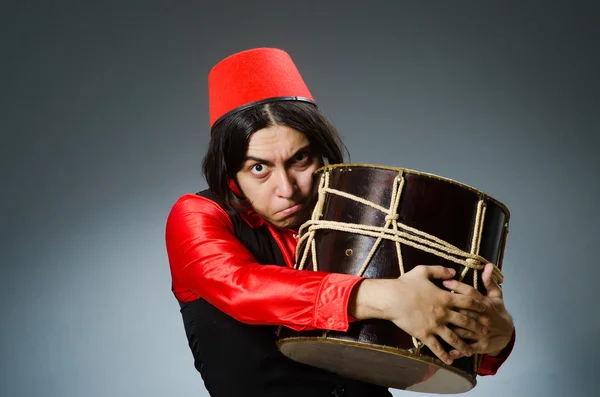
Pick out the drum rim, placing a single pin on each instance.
(387, 349)
(420, 173)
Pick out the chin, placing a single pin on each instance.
(293, 221)
(287, 223)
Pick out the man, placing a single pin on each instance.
(231, 249)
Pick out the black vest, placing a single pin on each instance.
(237, 359)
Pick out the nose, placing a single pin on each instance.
(286, 184)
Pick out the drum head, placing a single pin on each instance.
(378, 365)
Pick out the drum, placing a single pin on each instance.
(380, 222)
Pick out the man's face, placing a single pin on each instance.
(277, 175)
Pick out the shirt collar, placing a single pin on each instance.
(253, 219)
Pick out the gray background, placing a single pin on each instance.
(105, 121)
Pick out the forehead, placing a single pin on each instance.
(277, 141)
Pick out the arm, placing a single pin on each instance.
(209, 261)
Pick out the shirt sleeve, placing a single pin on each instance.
(491, 364)
(208, 261)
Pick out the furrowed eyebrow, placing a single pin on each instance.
(256, 159)
(263, 161)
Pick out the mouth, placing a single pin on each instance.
(291, 210)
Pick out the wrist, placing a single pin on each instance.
(500, 352)
(496, 353)
(365, 300)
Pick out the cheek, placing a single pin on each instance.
(306, 180)
(249, 187)
(258, 193)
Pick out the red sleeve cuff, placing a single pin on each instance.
(490, 364)
(331, 307)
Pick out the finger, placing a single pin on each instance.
(455, 354)
(478, 343)
(439, 272)
(466, 322)
(468, 335)
(492, 287)
(436, 348)
(478, 346)
(473, 314)
(466, 302)
(482, 318)
(455, 341)
(463, 289)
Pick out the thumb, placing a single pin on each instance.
(439, 272)
(492, 287)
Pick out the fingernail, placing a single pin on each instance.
(447, 283)
(449, 361)
(484, 330)
(452, 271)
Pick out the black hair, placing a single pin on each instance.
(230, 136)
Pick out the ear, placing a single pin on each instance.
(234, 188)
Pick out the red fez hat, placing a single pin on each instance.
(251, 77)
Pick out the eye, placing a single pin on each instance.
(301, 156)
(259, 169)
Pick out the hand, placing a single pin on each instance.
(496, 318)
(420, 308)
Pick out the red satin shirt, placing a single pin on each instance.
(208, 261)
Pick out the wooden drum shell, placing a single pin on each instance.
(378, 351)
